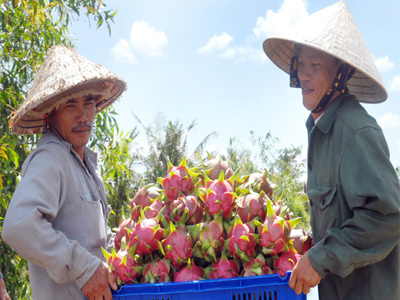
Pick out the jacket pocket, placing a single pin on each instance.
(324, 208)
(94, 223)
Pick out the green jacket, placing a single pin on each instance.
(355, 205)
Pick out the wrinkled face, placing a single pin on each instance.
(316, 72)
(74, 120)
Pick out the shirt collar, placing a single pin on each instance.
(326, 121)
(50, 136)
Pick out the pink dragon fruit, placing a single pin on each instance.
(258, 182)
(223, 268)
(250, 206)
(209, 238)
(256, 266)
(214, 167)
(177, 180)
(143, 198)
(146, 236)
(302, 242)
(189, 272)
(123, 266)
(285, 262)
(178, 245)
(194, 207)
(157, 271)
(241, 240)
(123, 231)
(271, 232)
(219, 195)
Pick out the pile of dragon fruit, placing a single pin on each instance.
(205, 223)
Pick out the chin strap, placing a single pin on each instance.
(344, 73)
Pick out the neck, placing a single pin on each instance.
(78, 151)
(318, 114)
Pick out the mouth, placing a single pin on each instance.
(306, 91)
(82, 131)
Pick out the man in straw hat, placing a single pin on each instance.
(57, 218)
(352, 186)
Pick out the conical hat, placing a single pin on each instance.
(334, 31)
(64, 75)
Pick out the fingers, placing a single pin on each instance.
(111, 279)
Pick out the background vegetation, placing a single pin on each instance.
(28, 29)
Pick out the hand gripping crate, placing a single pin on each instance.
(265, 287)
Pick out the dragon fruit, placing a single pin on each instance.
(219, 195)
(123, 265)
(256, 266)
(258, 182)
(178, 245)
(250, 206)
(223, 268)
(203, 225)
(285, 262)
(189, 272)
(214, 167)
(146, 236)
(209, 238)
(271, 232)
(241, 240)
(123, 231)
(157, 271)
(194, 209)
(177, 180)
(302, 242)
(143, 198)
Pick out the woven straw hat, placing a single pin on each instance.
(333, 31)
(64, 75)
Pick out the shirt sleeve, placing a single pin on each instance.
(370, 187)
(28, 229)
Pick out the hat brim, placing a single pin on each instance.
(30, 118)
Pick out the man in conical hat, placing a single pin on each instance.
(57, 218)
(352, 187)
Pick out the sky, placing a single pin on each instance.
(202, 60)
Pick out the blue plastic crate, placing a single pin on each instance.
(266, 287)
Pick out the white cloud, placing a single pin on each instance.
(389, 121)
(245, 53)
(146, 39)
(123, 53)
(289, 13)
(384, 64)
(395, 83)
(216, 43)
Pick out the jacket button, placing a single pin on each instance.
(310, 166)
(323, 201)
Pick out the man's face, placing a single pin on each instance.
(74, 120)
(316, 72)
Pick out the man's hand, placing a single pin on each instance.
(98, 286)
(304, 276)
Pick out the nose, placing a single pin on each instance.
(303, 73)
(82, 115)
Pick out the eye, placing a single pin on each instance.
(315, 64)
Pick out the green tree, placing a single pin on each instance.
(28, 29)
(166, 141)
(284, 166)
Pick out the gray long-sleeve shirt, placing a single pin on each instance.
(57, 219)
